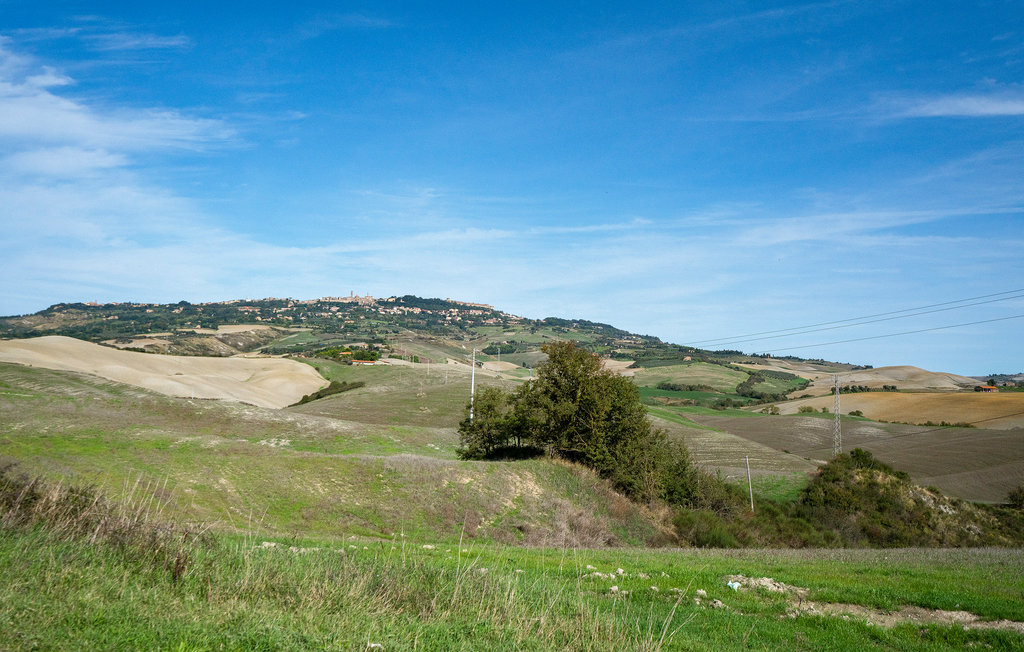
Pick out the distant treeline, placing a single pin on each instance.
(857, 389)
(679, 387)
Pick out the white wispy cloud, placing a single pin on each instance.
(967, 106)
(332, 22)
(592, 228)
(62, 161)
(48, 77)
(119, 41)
(34, 114)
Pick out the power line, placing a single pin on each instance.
(861, 323)
(878, 337)
(851, 319)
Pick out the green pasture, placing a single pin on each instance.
(695, 373)
(777, 385)
(256, 592)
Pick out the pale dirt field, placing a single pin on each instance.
(905, 377)
(500, 366)
(264, 382)
(1001, 411)
(618, 367)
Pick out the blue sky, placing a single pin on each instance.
(694, 171)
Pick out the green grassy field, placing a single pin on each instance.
(703, 397)
(695, 373)
(64, 591)
(407, 395)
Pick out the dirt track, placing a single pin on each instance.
(264, 382)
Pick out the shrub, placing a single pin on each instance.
(704, 529)
(805, 409)
(1015, 498)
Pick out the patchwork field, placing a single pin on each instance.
(413, 409)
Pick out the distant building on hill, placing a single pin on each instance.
(485, 306)
(351, 298)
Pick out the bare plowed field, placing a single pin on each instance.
(996, 410)
(265, 382)
(969, 463)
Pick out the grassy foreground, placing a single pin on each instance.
(82, 573)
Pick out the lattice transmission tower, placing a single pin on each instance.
(837, 428)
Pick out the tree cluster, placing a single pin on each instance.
(681, 387)
(578, 411)
(504, 347)
(857, 389)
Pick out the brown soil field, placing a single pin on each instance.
(1000, 411)
(264, 382)
(717, 450)
(971, 463)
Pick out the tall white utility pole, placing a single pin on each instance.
(837, 428)
(750, 487)
(472, 386)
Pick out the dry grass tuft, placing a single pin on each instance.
(72, 513)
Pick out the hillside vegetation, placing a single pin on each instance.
(239, 467)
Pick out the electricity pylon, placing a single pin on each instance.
(837, 428)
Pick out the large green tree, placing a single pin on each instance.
(575, 409)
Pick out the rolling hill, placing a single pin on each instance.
(396, 434)
(266, 382)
